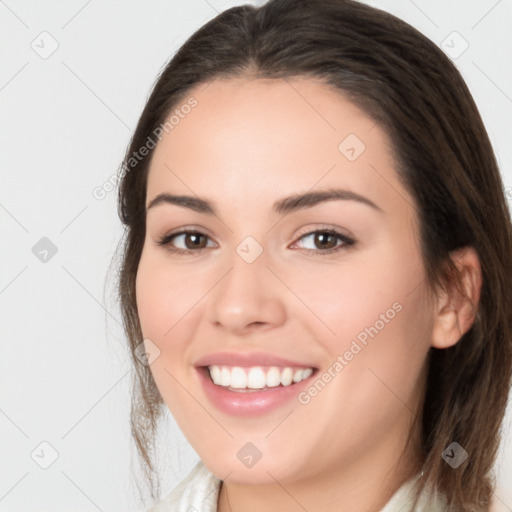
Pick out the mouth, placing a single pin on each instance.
(252, 391)
(256, 378)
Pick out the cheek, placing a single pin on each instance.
(388, 338)
(152, 300)
(376, 357)
(164, 296)
(165, 302)
(377, 318)
(170, 302)
(345, 299)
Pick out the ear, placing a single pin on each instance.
(456, 307)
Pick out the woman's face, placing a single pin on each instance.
(310, 260)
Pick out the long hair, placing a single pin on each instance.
(444, 158)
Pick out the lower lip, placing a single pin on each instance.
(249, 403)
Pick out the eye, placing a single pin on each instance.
(326, 241)
(194, 241)
(323, 241)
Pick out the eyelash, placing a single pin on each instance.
(347, 242)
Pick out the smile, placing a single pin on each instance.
(237, 378)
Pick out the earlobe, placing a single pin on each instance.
(456, 308)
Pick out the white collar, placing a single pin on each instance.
(199, 492)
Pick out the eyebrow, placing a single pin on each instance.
(282, 206)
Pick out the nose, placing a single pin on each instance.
(248, 297)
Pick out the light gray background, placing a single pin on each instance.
(66, 121)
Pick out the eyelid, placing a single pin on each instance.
(347, 239)
(344, 233)
(166, 238)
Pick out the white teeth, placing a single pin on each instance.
(306, 373)
(286, 377)
(225, 377)
(255, 377)
(273, 377)
(216, 374)
(238, 378)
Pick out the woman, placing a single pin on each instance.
(316, 266)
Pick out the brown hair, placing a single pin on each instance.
(444, 157)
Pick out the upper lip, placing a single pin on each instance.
(248, 359)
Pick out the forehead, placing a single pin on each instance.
(261, 115)
(256, 138)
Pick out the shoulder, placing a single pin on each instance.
(197, 492)
(403, 499)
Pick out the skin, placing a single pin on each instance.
(248, 143)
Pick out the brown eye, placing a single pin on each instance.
(190, 241)
(195, 240)
(326, 241)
